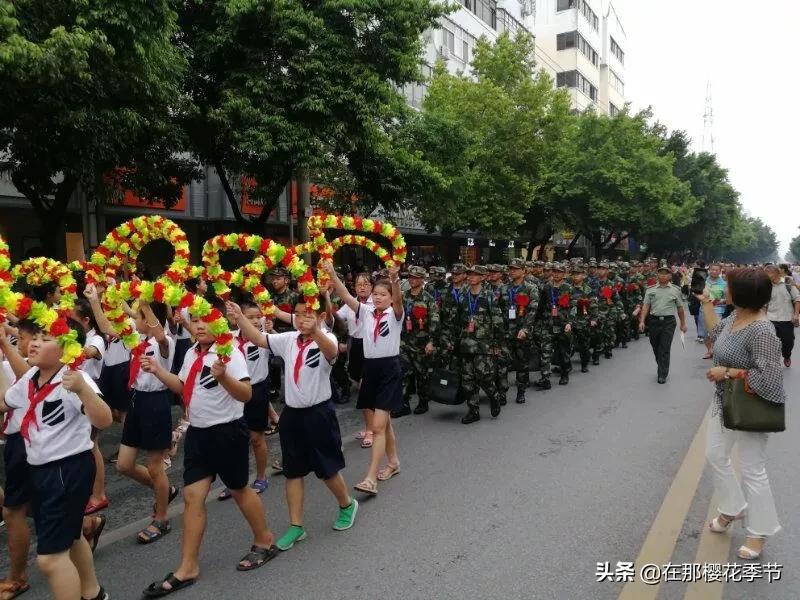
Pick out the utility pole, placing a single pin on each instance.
(708, 123)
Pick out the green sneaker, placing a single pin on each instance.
(347, 516)
(294, 534)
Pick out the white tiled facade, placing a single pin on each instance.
(580, 43)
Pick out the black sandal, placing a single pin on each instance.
(258, 557)
(96, 533)
(173, 493)
(157, 589)
(153, 536)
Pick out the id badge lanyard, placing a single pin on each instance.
(474, 304)
(512, 296)
(408, 316)
(554, 309)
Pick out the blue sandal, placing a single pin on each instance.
(260, 485)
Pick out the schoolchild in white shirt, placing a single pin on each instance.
(309, 430)
(381, 388)
(94, 349)
(60, 408)
(256, 411)
(217, 443)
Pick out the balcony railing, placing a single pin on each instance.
(506, 22)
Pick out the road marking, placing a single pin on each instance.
(713, 548)
(663, 535)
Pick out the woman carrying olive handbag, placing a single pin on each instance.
(749, 402)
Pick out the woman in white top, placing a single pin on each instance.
(381, 387)
(783, 310)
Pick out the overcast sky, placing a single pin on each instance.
(747, 51)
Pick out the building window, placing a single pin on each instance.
(575, 80)
(617, 51)
(590, 16)
(415, 91)
(562, 4)
(460, 43)
(615, 82)
(486, 10)
(612, 110)
(566, 40)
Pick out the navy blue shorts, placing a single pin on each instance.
(114, 386)
(60, 491)
(220, 450)
(355, 359)
(311, 441)
(255, 411)
(18, 487)
(381, 385)
(148, 425)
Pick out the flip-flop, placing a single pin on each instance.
(93, 507)
(153, 536)
(368, 440)
(257, 557)
(278, 467)
(15, 588)
(371, 488)
(360, 435)
(96, 533)
(387, 472)
(157, 589)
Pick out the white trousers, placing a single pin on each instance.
(754, 493)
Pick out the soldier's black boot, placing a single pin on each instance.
(421, 408)
(520, 395)
(585, 366)
(495, 402)
(503, 397)
(624, 343)
(608, 353)
(596, 358)
(472, 416)
(406, 410)
(564, 380)
(543, 383)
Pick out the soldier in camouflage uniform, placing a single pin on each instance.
(446, 354)
(479, 342)
(284, 299)
(585, 319)
(437, 285)
(591, 278)
(609, 308)
(537, 274)
(554, 317)
(617, 273)
(498, 290)
(635, 297)
(420, 329)
(522, 300)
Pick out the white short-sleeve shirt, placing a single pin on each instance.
(63, 430)
(349, 316)
(210, 403)
(93, 366)
(387, 341)
(147, 382)
(257, 358)
(182, 333)
(313, 385)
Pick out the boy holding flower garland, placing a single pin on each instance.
(60, 407)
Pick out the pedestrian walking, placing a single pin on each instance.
(658, 313)
(783, 311)
(744, 347)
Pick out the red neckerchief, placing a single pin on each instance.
(136, 362)
(298, 362)
(194, 371)
(241, 342)
(379, 314)
(35, 397)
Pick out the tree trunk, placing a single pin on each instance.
(618, 241)
(51, 215)
(274, 193)
(573, 242)
(232, 200)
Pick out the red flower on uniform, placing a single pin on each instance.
(420, 313)
(522, 301)
(285, 307)
(618, 287)
(563, 300)
(632, 287)
(606, 292)
(651, 282)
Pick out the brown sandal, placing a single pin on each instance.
(368, 486)
(15, 588)
(368, 439)
(387, 472)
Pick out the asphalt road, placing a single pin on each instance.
(522, 506)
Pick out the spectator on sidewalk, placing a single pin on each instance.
(783, 311)
(716, 288)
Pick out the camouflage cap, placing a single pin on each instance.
(548, 266)
(458, 268)
(279, 272)
(530, 264)
(494, 268)
(592, 262)
(560, 267)
(417, 271)
(603, 264)
(437, 271)
(539, 264)
(626, 265)
(477, 269)
(517, 263)
(663, 266)
(577, 268)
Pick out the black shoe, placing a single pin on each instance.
(556, 369)
(494, 405)
(503, 398)
(584, 367)
(520, 396)
(421, 408)
(596, 359)
(662, 380)
(636, 336)
(406, 410)
(471, 417)
(608, 354)
(564, 379)
(543, 383)
(624, 344)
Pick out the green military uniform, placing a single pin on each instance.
(622, 322)
(522, 301)
(585, 318)
(554, 314)
(420, 328)
(437, 286)
(498, 290)
(609, 310)
(479, 339)
(446, 348)
(663, 301)
(635, 297)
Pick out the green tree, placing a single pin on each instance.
(794, 248)
(282, 86)
(88, 87)
(489, 134)
(757, 243)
